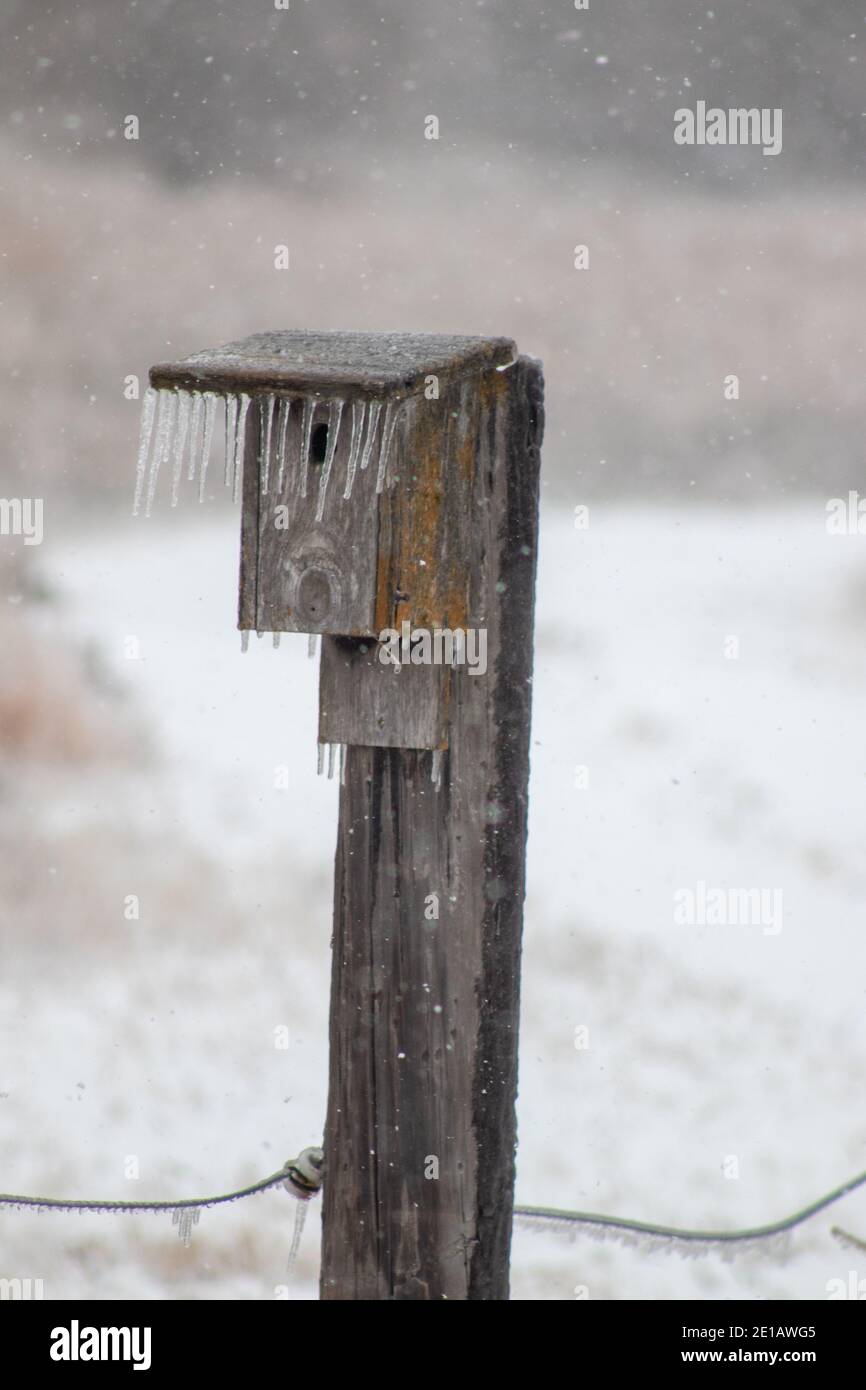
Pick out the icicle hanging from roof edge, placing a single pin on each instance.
(163, 442)
(306, 442)
(359, 415)
(245, 640)
(210, 404)
(240, 445)
(194, 434)
(312, 642)
(320, 759)
(335, 415)
(276, 639)
(332, 755)
(343, 752)
(373, 414)
(392, 414)
(148, 413)
(285, 415)
(267, 426)
(184, 406)
(436, 768)
(231, 422)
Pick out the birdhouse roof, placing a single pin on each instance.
(322, 363)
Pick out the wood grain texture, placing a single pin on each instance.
(353, 566)
(424, 1010)
(363, 702)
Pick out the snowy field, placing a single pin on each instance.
(713, 1050)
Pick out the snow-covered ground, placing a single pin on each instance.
(713, 1050)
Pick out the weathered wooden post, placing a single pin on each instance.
(397, 489)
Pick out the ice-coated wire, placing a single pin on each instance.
(645, 1228)
(210, 402)
(185, 1203)
(148, 412)
(844, 1238)
(592, 1222)
(359, 413)
(335, 415)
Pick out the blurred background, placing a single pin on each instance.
(164, 901)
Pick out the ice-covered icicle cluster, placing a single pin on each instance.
(333, 749)
(177, 428)
(185, 1218)
(365, 438)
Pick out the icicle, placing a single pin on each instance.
(306, 438)
(335, 415)
(285, 417)
(231, 437)
(162, 446)
(240, 442)
(332, 750)
(342, 764)
(391, 414)
(320, 759)
(194, 433)
(436, 768)
(210, 402)
(312, 642)
(184, 404)
(267, 408)
(276, 637)
(185, 1218)
(245, 641)
(372, 425)
(300, 1217)
(148, 411)
(359, 412)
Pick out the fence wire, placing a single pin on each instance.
(578, 1221)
